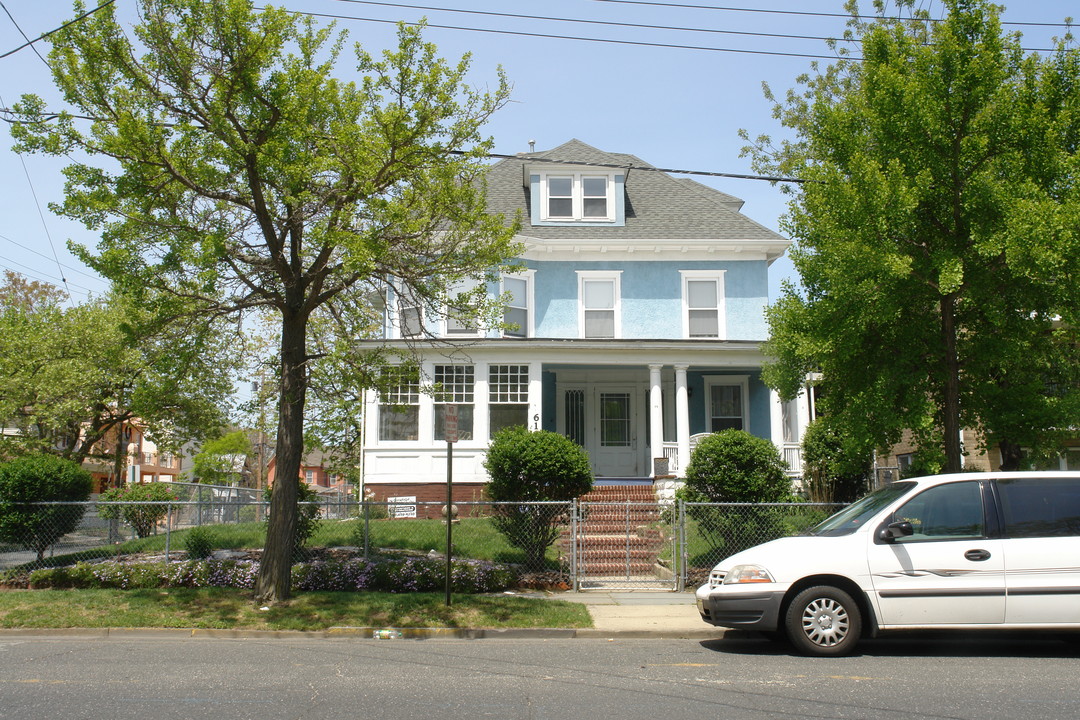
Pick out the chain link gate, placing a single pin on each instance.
(624, 545)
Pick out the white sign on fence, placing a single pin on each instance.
(402, 507)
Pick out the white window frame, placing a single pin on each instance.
(503, 393)
(721, 317)
(577, 196)
(405, 394)
(401, 303)
(615, 276)
(444, 327)
(741, 381)
(529, 330)
(461, 394)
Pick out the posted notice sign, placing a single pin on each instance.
(450, 425)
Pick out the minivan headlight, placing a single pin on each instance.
(747, 574)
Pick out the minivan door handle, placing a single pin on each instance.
(977, 555)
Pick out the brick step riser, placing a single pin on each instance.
(617, 569)
(591, 546)
(617, 529)
(643, 498)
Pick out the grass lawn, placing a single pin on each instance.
(234, 609)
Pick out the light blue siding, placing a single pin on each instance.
(651, 297)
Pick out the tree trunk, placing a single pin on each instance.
(950, 420)
(1011, 455)
(273, 583)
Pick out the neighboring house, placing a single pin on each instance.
(639, 317)
(314, 472)
(144, 462)
(897, 461)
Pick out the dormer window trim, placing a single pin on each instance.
(573, 196)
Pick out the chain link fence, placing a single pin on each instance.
(549, 543)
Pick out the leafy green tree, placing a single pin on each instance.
(835, 469)
(220, 460)
(529, 467)
(937, 234)
(149, 505)
(235, 174)
(71, 377)
(32, 479)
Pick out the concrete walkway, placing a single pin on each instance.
(639, 613)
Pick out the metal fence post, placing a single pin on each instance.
(367, 528)
(168, 529)
(574, 544)
(683, 552)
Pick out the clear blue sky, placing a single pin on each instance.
(674, 107)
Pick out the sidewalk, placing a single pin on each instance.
(639, 613)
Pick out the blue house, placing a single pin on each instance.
(639, 316)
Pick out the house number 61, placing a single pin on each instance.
(536, 421)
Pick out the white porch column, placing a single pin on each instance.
(656, 416)
(536, 396)
(481, 399)
(682, 418)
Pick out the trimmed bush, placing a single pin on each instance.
(33, 479)
(199, 543)
(733, 466)
(143, 518)
(530, 466)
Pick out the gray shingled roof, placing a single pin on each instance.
(658, 206)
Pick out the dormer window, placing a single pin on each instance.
(578, 197)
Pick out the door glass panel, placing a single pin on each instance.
(575, 416)
(614, 419)
(725, 410)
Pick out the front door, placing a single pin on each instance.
(615, 436)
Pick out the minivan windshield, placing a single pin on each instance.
(855, 515)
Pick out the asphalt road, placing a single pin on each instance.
(164, 678)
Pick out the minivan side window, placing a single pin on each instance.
(944, 512)
(1040, 507)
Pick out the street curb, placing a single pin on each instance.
(368, 633)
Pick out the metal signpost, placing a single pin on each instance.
(450, 429)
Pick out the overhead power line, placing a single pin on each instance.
(28, 43)
(613, 23)
(638, 43)
(803, 12)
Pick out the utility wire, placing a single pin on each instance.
(638, 43)
(54, 30)
(39, 254)
(612, 23)
(804, 12)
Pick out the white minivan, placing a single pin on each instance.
(964, 551)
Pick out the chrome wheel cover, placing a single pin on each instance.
(825, 622)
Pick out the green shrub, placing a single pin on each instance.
(833, 470)
(32, 479)
(143, 518)
(527, 467)
(395, 575)
(199, 543)
(733, 466)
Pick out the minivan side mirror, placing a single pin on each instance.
(895, 530)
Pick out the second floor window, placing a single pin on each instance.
(517, 306)
(599, 293)
(410, 317)
(702, 304)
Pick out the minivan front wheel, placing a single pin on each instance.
(823, 620)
